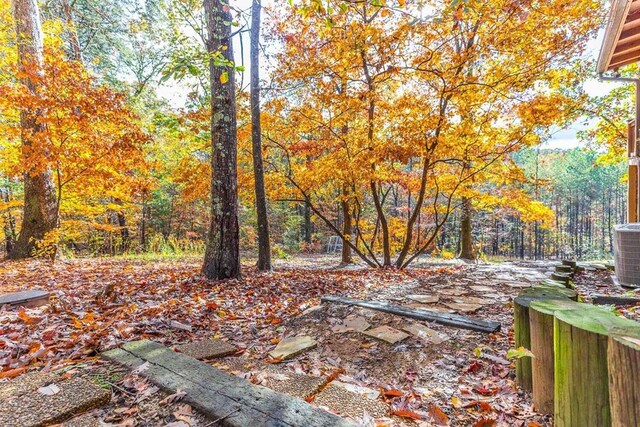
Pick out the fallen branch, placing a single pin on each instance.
(454, 320)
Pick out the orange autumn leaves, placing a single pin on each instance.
(90, 139)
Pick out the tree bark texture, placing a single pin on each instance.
(624, 380)
(264, 246)
(40, 202)
(466, 231)
(222, 256)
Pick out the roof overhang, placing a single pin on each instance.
(621, 45)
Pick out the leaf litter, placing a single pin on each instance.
(99, 304)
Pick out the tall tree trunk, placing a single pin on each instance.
(346, 226)
(466, 231)
(40, 203)
(222, 257)
(307, 226)
(264, 246)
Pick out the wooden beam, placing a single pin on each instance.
(454, 320)
(619, 12)
(625, 58)
(232, 400)
(632, 194)
(633, 46)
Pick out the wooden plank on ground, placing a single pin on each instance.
(615, 300)
(454, 320)
(217, 394)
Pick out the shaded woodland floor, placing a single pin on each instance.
(460, 378)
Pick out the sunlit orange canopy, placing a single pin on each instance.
(621, 45)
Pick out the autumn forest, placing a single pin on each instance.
(151, 151)
(399, 129)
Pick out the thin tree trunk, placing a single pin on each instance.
(466, 231)
(264, 247)
(40, 202)
(222, 257)
(346, 226)
(307, 226)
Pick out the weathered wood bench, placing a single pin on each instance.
(231, 400)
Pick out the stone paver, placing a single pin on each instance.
(293, 346)
(351, 323)
(463, 307)
(452, 292)
(85, 420)
(425, 334)
(346, 403)
(424, 299)
(27, 407)
(296, 385)
(481, 288)
(207, 349)
(27, 299)
(25, 383)
(387, 334)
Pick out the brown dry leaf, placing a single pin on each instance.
(405, 413)
(438, 416)
(485, 422)
(12, 372)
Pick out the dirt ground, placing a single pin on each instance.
(462, 378)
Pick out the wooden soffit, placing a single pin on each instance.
(621, 45)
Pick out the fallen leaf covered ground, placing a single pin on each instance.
(462, 379)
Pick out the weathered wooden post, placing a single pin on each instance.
(624, 379)
(581, 339)
(521, 325)
(541, 336)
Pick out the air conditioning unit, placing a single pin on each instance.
(626, 249)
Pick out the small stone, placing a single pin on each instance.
(346, 403)
(293, 346)
(424, 333)
(207, 349)
(517, 285)
(451, 292)
(424, 299)
(463, 307)
(472, 300)
(387, 334)
(181, 326)
(28, 299)
(351, 323)
(480, 288)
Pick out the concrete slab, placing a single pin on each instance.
(346, 403)
(85, 420)
(463, 307)
(207, 349)
(481, 288)
(25, 383)
(351, 323)
(387, 334)
(451, 292)
(295, 385)
(50, 403)
(29, 299)
(427, 335)
(292, 346)
(424, 299)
